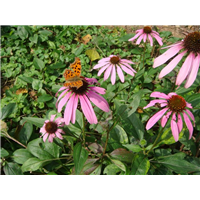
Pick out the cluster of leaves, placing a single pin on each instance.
(33, 59)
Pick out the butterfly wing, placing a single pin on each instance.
(76, 66)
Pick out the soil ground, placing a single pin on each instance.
(177, 31)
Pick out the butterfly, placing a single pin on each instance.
(73, 77)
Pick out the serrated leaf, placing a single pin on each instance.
(92, 54)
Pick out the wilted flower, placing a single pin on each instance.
(177, 107)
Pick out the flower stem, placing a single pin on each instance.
(144, 54)
(154, 144)
(83, 130)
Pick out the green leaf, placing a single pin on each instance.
(25, 133)
(140, 165)
(80, 155)
(22, 32)
(33, 164)
(119, 164)
(7, 110)
(37, 84)
(122, 155)
(36, 121)
(12, 169)
(111, 169)
(52, 149)
(177, 163)
(79, 50)
(39, 64)
(126, 37)
(20, 156)
(51, 44)
(119, 135)
(134, 121)
(133, 147)
(57, 66)
(92, 54)
(3, 153)
(26, 79)
(45, 32)
(34, 39)
(44, 98)
(34, 147)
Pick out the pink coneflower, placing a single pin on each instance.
(190, 46)
(110, 64)
(177, 107)
(51, 128)
(84, 94)
(147, 32)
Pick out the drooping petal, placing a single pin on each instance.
(63, 101)
(190, 114)
(128, 71)
(159, 95)
(180, 123)
(45, 137)
(104, 60)
(126, 61)
(51, 136)
(185, 69)
(92, 81)
(145, 37)
(107, 72)
(42, 130)
(193, 73)
(167, 69)
(100, 65)
(138, 34)
(174, 128)
(68, 110)
(188, 124)
(139, 39)
(155, 118)
(103, 69)
(59, 121)
(150, 39)
(128, 66)
(88, 110)
(73, 118)
(60, 96)
(167, 55)
(113, 75)
(165, 118)
(59, 135)
(159, 39)
(98, 89)
(62, 88)
(153, 102)
(120, 74)
(99, 101)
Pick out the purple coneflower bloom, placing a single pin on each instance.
(51, 128)
(190, 46)
(84, 94)
(110, 64)
(177, 107)
(147, 32)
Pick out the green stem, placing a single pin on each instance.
(154, 144)
(144, 54)
(83, 130)
(8, 136)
